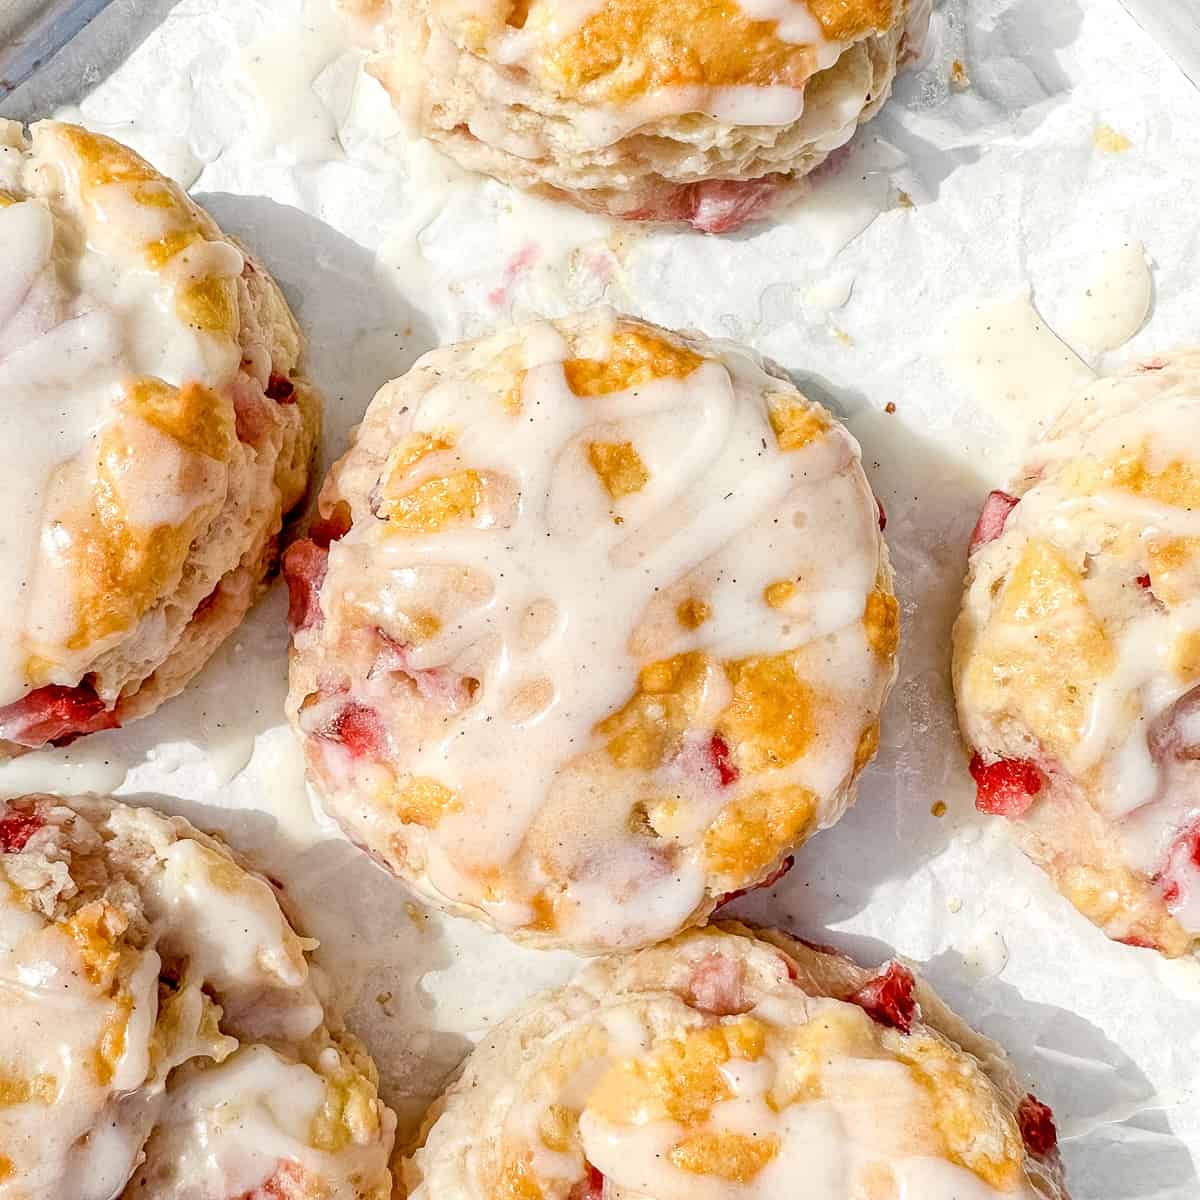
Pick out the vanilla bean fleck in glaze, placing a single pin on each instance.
(603, 629)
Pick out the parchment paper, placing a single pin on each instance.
(1063, 133)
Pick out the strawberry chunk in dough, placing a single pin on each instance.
(1006, 787)
(55, 715)
(888, 998)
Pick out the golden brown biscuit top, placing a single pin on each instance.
(118, 351)
(711, 1065)
(748, 60)
(591, 555)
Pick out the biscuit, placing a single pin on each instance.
(667, 110)
(729, 1063)
(159, 427)
(1077, 655)
(595, 626)
(161, 1036)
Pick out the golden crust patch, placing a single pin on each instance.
(881, 621)
(435, 504)
(557, 1127)
(1043, 651)
(6, 198)
(1175, 483)
(680, 1079)
(796, 422)
(160, 251)
(432, 504)
(209, 304)
(868, 743)
(38, 1089)
(751, 831)
(632, 47)
(844, 20)
(425, 802)
(668, 697)
(122, 569)
(619, 467)
(1185, 656)
(736, 1157)
(692, 612)
(193, 415)
(96, 929)
(832, 1035)
(976, 1129)
(102, 160)
(112, 1039)
(634, 358)
(770, 722)
(348, 1112)
(777, 594)
(1174, 568)
(517, 1181)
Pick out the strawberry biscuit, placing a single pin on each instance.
(665, 110)
(1077, 655)
(596, 625)
(158, 426)
(160, 1036)
(729, 1064)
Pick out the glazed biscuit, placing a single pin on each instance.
(158, 428)
(1077, 655)
(595, 626)
(666, 110)
(161, 1034)
(727, 1063)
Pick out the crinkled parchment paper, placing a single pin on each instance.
(1045, 160)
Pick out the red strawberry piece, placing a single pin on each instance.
(714, 206)
(287, 1183)
(16, 828)
(722, 205)
(55, 715)
(1036, 1122)
(590, 1187)
(716, 985)
(1134, 940)
(281, 389)
(1005, 787)
(774, 877)
(992, 519)
(718, 751)
(1182, 867)
(1143, 581)
(304, 566)
(888, 998)
(358, 728)
(325, 530)
(882, 515)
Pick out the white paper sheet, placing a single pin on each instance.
(1068, 138)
